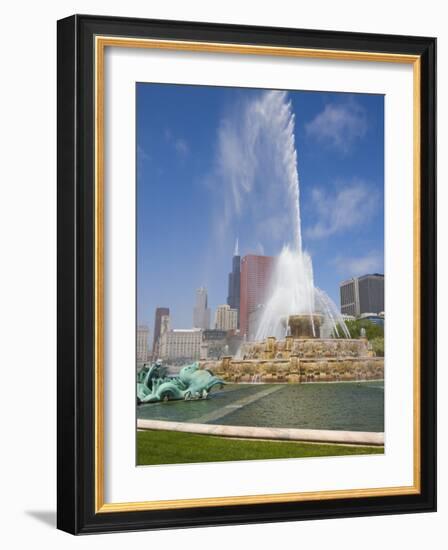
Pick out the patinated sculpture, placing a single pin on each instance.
(192, 383)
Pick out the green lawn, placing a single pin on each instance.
(166, 447)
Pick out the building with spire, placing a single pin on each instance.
(201, 311)
(233, 296)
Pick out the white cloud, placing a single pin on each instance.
(143, 157)
(142, 154)
(181, 147)
(352, 204)
(339, 125)
(353, 266)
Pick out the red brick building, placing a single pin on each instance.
(255, 277)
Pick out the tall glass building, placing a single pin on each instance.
(363, 294)
(233, 296)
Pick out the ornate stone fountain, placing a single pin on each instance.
(305, 326)
(302, 356)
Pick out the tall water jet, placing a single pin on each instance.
(256, 165)
(292, 290)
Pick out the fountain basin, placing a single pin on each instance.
(305, 326)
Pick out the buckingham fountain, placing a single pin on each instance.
(300, 357)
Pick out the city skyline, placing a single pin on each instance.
(260, 275)
(339, 141)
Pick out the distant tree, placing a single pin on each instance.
(372, 330)
(216, 350)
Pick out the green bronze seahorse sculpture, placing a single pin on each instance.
(192, 383)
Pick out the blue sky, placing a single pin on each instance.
(214, 164)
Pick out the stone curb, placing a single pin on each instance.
(286, 434)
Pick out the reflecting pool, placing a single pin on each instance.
(354, 406)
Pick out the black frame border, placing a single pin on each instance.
(76, 262)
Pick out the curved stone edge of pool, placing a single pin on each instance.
(287, 434)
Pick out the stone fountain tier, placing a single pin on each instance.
(305, 326)
(307, 348)
(300, 360)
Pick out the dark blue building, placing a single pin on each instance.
(233, 296)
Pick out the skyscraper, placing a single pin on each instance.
(226, 318)
(363, 294)
(160, 312)
(201, 311)
(371, 293)
(233, 297)
(142, 343)
(255, 278)
(349, 292)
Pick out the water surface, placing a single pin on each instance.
(354, 406)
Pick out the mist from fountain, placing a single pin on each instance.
(325, 305)
(291, 292)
